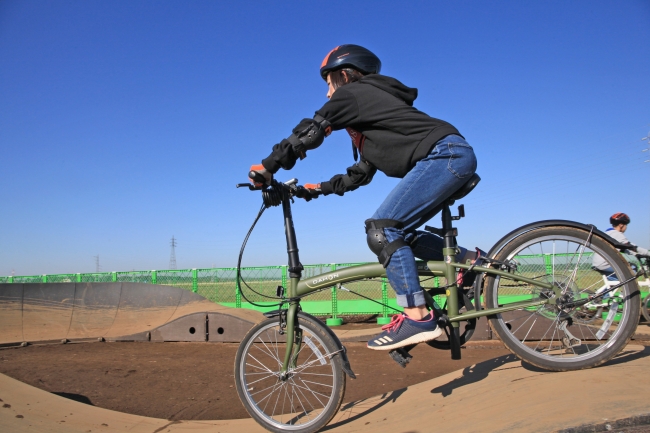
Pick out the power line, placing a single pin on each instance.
(172, 257)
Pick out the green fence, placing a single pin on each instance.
(219, 285)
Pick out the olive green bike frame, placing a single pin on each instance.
(448, 268)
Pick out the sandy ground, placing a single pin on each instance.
(491, 396)
(194, 381)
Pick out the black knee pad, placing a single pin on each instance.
(377, 241)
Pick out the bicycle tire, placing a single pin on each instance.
(535, 335)
(645, 308)
(311, 394)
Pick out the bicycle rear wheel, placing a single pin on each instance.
(556, 336)
(308, 396)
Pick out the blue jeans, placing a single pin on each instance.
(415, 200)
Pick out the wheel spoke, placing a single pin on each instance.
(264, 367)
(312, 391)
(305, 399)
(529, 329)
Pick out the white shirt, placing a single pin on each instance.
(599, 263)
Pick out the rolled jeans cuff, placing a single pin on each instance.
(411, 300)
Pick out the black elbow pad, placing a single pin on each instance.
(309, 134)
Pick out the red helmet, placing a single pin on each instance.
(350, 56)
(619, 218)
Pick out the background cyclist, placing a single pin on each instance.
(619, 222)
(388, 134)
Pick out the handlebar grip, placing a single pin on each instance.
(256, 177)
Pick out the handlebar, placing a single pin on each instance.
(644, 257)
(272, 194)
(291, 184)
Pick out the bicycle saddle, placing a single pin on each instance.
(466, 188)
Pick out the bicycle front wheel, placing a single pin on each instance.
(308, 395)
(558, 336)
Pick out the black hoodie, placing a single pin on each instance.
(388, 131)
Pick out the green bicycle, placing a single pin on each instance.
(290, 369)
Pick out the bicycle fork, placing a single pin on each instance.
(294, 339)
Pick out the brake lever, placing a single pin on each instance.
(250, 186)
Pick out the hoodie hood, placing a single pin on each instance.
(392, 86)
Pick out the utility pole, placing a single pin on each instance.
(647, 149)
(172, 257)
(98, 268)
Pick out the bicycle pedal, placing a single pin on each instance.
(401, 356)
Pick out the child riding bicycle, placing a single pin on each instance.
(619, 222)
(388, 134)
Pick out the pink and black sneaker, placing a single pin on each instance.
(403, 331)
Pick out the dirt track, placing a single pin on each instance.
(192, 381)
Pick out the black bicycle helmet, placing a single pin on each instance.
(619, 218)
(351, 56)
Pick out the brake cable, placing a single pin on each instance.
(240, 278)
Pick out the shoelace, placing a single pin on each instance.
(395, 323)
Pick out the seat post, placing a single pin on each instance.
(449, 233)
(449, 252)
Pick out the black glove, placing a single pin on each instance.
(308, 191)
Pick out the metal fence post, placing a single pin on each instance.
(548, 264)
(384, 319)
(154, 277)
(284, 276)
(285, 272)
(11, 279)
(195, 280)
(78, 278)
(237, 294)
(44, 278)
(334, 320)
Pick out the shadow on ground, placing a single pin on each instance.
(76, 397)
(358, 409)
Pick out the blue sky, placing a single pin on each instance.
(123, 123)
